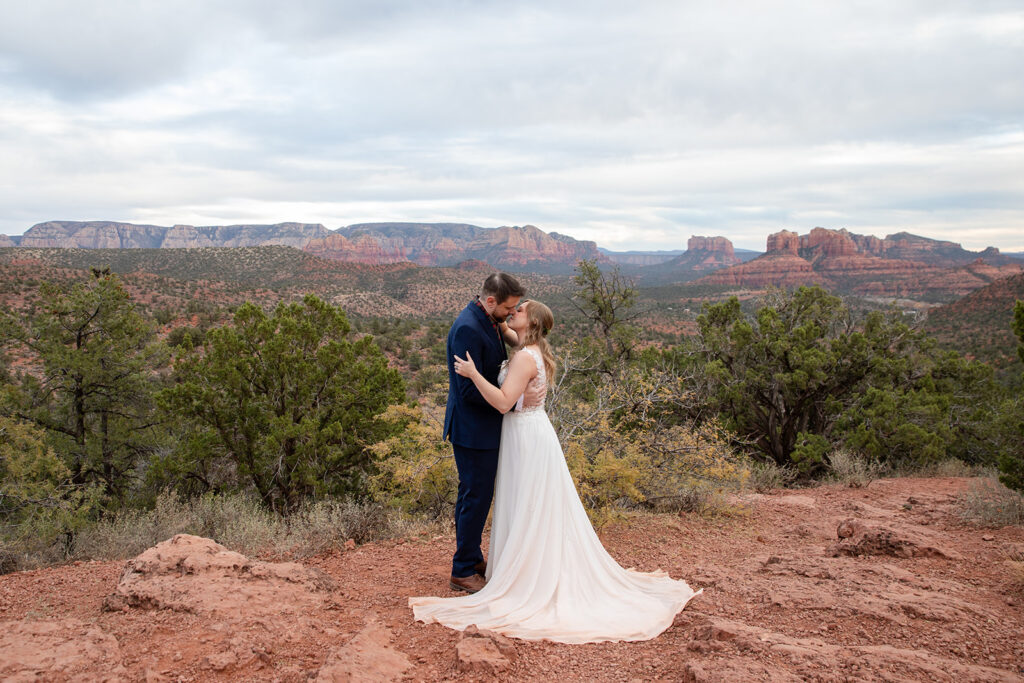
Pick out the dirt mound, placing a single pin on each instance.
(932, 600)
(194, 574)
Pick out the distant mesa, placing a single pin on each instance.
(899, 265)
(113, 235)
(428, 244)
(517, 248)
(703, 255)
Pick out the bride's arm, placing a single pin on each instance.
(511, 336)
(520, 371)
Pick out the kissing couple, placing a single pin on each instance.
(547, 577)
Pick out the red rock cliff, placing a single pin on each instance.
(784, 242)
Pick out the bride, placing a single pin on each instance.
(548, 576)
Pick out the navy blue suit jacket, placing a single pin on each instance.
(469, 420)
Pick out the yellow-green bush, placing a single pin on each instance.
(40, 507)
(625, 448)
(620, 446)
(415, 467)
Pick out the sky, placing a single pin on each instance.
(634, 124)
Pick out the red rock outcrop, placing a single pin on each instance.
(714, 245)
(359, 249)
(779, 268)
(703, 254)
(828, 243)
(6, 241)
(194, 574)
(442, 244)
(784, 242)
(529, 244)
(901, 265)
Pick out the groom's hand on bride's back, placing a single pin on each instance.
(534, 394)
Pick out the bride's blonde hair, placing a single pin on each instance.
(541, 321)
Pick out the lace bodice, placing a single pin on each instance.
(539, 380)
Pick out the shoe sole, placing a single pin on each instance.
(457, 587)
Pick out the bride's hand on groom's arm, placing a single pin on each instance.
(521, 370)
(465, 366)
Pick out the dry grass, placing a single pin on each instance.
(852, 469)
(950, 467)
(765, 476)
(237, 522)
(986, 502)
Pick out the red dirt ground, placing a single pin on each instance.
(783, 600)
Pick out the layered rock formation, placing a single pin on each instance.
(356, 249)
(909, 247)
(708, 253)
(900, 265)
(112, 235)
(425, 244)
(702, 255)
(780, 268)
(285, 234)
(446, 244)
(6, 241)
(93, 235)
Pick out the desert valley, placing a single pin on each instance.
(890, 553)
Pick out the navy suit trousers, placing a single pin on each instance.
(477, 469)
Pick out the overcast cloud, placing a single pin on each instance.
(632, 124)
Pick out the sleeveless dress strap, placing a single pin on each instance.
(539, 360)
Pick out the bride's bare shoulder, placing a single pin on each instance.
(525, 359)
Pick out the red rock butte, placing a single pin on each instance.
(898, 265)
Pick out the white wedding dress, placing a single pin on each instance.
(548, 576)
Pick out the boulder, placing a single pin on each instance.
(480, 656)
(368, 658)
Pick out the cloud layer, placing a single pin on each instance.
(634, 125)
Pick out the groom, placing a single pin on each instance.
(472, 425)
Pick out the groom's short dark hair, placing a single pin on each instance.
(501, 286)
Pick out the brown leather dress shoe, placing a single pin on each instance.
(470, 584)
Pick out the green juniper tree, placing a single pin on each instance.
(89, 381)
(801, 376)
(781, 378)
(1011, 459)
(283, 404)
